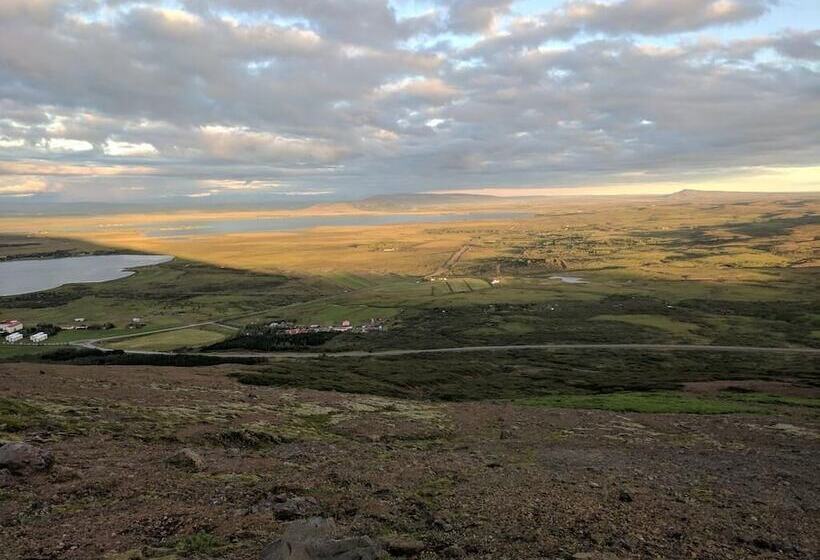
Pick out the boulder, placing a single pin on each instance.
(22, 458)
(186, 459)
(315, 539)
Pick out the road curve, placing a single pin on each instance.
(500, 348)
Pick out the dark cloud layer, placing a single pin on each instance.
(138, 99)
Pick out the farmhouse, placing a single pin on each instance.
(11, 326)
(38, 337)
(14, 337)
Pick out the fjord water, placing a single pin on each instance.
(27, 276)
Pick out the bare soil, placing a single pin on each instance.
(471, 480)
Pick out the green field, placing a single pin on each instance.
(187, 338)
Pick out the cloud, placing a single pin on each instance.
(69, 145)
(800, 45)
(128, 149)
(361, 96)
(658, 17)
(238, 143)
(21, 186)
(475, 16)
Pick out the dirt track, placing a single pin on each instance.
(450, 262)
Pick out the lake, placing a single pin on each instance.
(27, 276)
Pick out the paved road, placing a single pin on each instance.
(412, 351)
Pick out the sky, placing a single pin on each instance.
(252, 100)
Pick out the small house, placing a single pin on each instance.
(38, 337)
(12, 326)
(14, 337)
(79, 319)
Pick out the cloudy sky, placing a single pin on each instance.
(117, 100)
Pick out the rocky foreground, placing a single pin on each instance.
(138, 462)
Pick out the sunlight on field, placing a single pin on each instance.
(171, 340)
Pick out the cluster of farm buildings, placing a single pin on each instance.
(372, 325)
(13, 332)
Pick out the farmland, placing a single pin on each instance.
(688, 268)
(426, 452)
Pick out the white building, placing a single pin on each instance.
(38, 337)
(11, 326)
(14, 337)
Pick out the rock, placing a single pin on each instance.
(294, 507)
(22, 458)
(314, 539)
(624, 496)
(187, 459)
(399, 545)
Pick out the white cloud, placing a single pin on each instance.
(6, 142)
(129, 149)
(69, 145)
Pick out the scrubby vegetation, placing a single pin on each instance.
(270, 340)
(87, 356)
(522, 374)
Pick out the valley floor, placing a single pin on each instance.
(429, 479)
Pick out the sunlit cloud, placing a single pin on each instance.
(353, 98)
(69, 145)
(129, 149)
